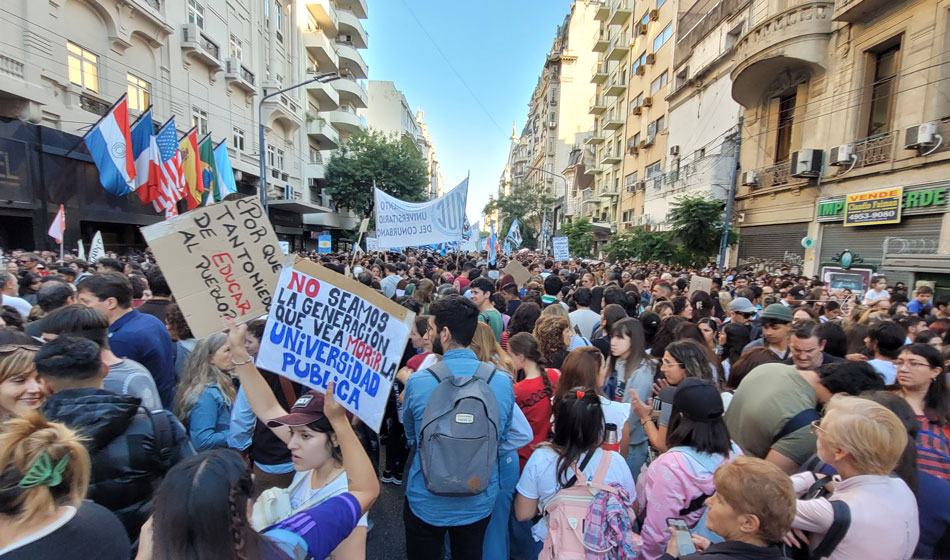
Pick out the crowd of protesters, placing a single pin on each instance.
(641, 410)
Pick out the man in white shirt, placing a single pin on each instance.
(391, 281)
(885, 340)
(583, 320)
(8, 295)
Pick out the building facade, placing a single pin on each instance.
(844, 98)
(207, 63)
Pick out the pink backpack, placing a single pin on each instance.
(565, 513)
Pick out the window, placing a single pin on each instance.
(786, 118)
(646, 18)
(699, 154)
(882, 90)
(640, 61)
(659, 3)
(628, 215)
(315, 155)
(237, 48)
(660, 123)
(138, 93)
(271, 153)
(83, 67)
(199, 119)
(196, 13)
(653, 170)
(237, 139)
(663, 37)
(636, 142)
(734, 34)
(277, 17)
(636, 101)
(266, 10)
(658, 83)
(280, 159)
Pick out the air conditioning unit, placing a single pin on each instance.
(641, 70)
(841, 155)
(648, 102)
(284, 176)
(674, 151)
(552, 124)
(651, 58)
(654, 15)
(631, 143)
(643, 144)
(641, 29)
(750, 179)
(629, 188)
(641, 185)
(313, 183)
(807, 163)
(921, 135)
(634, 150)
(651, 138)
(638, 110)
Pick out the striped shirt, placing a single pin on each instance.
(933, 448)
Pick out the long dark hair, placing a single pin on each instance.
(524, 344)
(201, 506)
(578, 428)
(703, 305)
(632, 329)
(737, 337)
(524, 318)
(664, 335)
(907, 466)
(937, 399)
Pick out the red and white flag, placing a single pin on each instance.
(58, 227)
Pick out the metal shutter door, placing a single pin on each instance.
(772, 242)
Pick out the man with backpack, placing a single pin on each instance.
(456, 414)
(131, 448)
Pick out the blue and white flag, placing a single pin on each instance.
(544, 228)
(492, 244)
(411, 224)
(224, 180)
(514, 234)
(110, 145)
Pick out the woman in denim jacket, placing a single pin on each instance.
(205, 393)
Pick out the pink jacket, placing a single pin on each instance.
(670, 483)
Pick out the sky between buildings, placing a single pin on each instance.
(498, 49)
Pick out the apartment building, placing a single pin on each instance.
(207, 63)
(843, 98)
(436, 186)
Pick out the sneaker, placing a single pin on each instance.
(397, 479)
(389, 478)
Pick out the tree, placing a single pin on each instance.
(642, 245)
(696, 222)
(528, 203)
(393, 163)
(580, 240)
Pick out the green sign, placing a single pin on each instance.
(921, 199)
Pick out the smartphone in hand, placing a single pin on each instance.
(684, 540)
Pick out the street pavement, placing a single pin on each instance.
(387, 540)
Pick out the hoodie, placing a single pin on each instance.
(733, 550)
(671, 482)
(120, 435)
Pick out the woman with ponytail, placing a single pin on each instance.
(535, 390)
(44, 473)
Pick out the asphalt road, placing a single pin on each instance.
(387, 539)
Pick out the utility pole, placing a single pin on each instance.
(732, 194)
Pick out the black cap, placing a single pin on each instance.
(698, 400)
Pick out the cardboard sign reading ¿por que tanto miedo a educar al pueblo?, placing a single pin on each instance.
(324, 327)
(219, 261)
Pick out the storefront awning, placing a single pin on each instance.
(939, 264)
(298, 206)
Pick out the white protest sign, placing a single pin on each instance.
(561, 252)
(284, 246)
(220, 260)
(97, 250)
(371, 245)
(471, 243)
(324, 327)
(411, 224)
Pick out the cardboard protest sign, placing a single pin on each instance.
(561, 252)
(700, 283)
(518, 272)
(220, 260)
(325, 327)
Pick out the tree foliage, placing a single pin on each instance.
(580, 237)
(528, 203)
(393, 163)
(696, 223)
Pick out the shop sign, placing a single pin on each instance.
(873, 207)
(914, 200)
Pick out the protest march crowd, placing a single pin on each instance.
(573, 409)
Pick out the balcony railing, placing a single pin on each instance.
(247, 75)
(93, 105)
(875, 149)
(11, 67)
(775, 175)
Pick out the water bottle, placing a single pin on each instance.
(611, 441)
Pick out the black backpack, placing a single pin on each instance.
(837, 531)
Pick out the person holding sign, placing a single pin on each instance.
(310, 435)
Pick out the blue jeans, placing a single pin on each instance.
(496, 535)
(636, 457)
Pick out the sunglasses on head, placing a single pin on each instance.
(10, 348)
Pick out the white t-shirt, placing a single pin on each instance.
(539, 479)
(871, 295)
(886, 369)
(22, 306)
(615, 412)
(301, 494)
(585, 321)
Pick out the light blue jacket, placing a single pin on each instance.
(208, 424)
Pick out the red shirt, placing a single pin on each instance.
(535, 403)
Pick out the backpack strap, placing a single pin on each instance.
(485, 372)
(439, 369)
(578, 470)
(162, 428)
(601, 473)
(287, 387)
(837, 531)
(797, 422)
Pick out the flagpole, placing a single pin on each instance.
(93, 127)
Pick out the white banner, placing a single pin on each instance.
(410, 224)
(324, 327)
(561, 252)
(371, 245)
(470, 243)
(96, 250)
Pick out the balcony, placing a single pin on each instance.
(351, 91)
(318, 46)
(315, 170)
(320, 130)
(620, 12)
(350, 25)
(598, 73)
(356, 7)
(325, 95)
(594, 170)
(775, 175)
(613, 121)
(855, 10)
(351, 61)
(793, 43)
(617, 86)
(603, 11)
(238, 75)
(601, 41)
(597, 105)
(284, 109)
(619, 47)
(876, 149)
(324, 14)
(611, 159)
(196, 44)
(596, 138)
(344, 120)
(609, 192)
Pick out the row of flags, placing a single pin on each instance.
(159, 167)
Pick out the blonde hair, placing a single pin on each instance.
(757, 487)
(18, 362)
(870, 433)
(23, 440)
(199, 373)
(487, 349)
(556, 310)
(549, 332)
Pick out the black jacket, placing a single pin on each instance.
(127, 462)
(732, 550)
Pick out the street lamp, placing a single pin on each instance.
(561, 177)
(262, 188)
